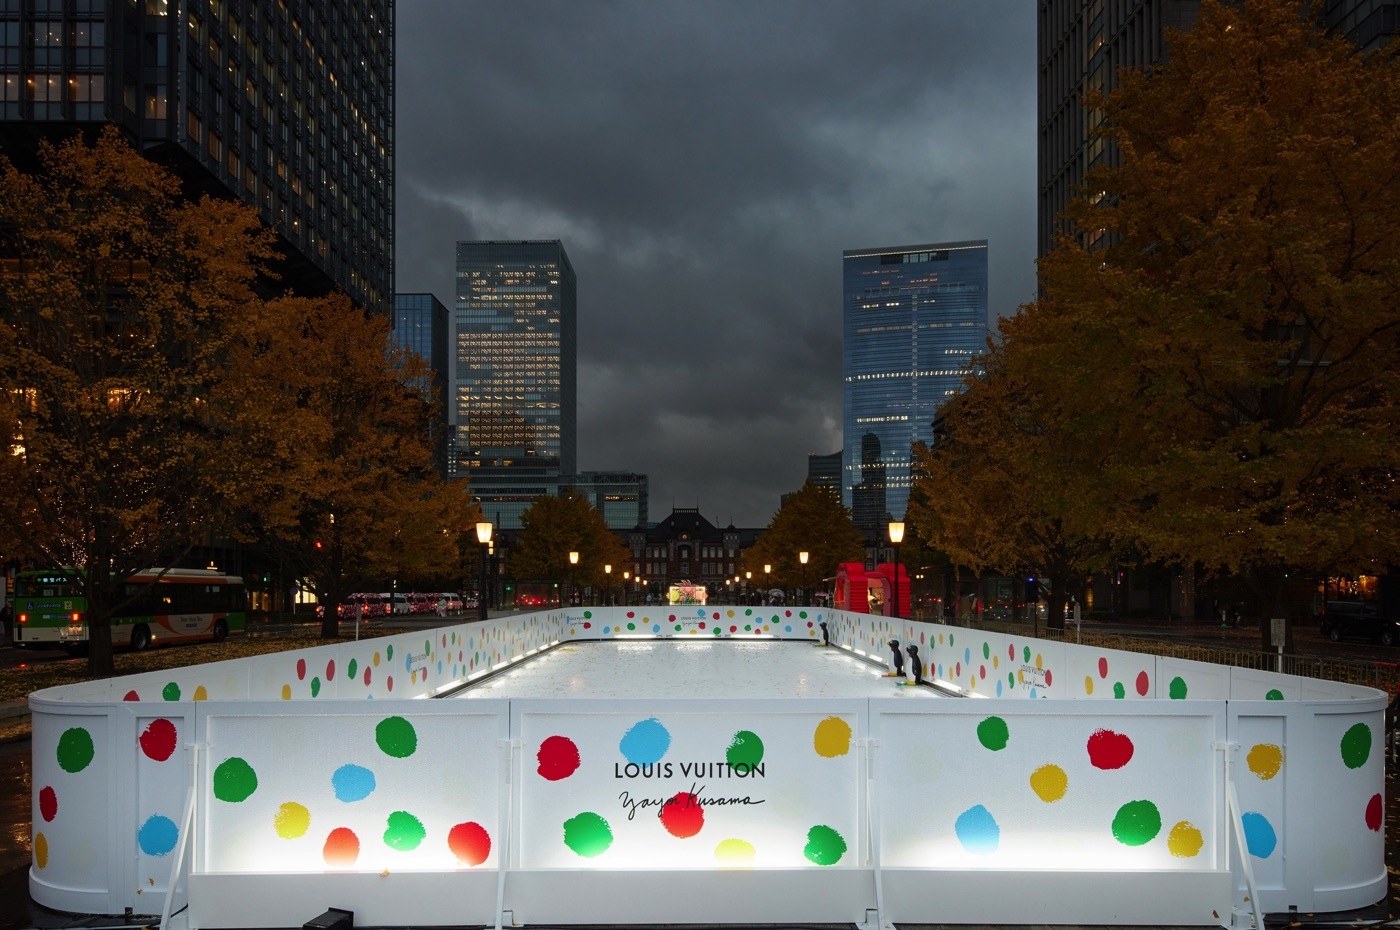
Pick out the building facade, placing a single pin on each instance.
(620, 497)
(287, 105)
(513, 412)
(915, 318)
(420, 326)
(825, 470)
(687, 547)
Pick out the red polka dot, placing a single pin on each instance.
(733, 629)
(982, 672)
(48, 804)
(342, 848)
(1109, 750)
(1103, 666)
(159, 739)
(702, 624)
(1374, 812)
(330, 670)
(558, 758)
(587, 625)
(469, 842)
(1143, 683)
(389, 682)
(366, 674)
(131, 696)
(301, 669)
(957, 669)
(1049, 678)
(630, 614)
(1011, 651)
(682, 815)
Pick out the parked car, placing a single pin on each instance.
(1358, 620)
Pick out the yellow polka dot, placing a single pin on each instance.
(41, 850)
(376, 660)
(734, 852)
(292, 820)
(1184, 841)
(1039, 661)
(1021, 675)
(286, 692)
(1049, 782)
(832, 738)
(1088, 684)
(1265, 760)
(200, 694)
(996, 661)
(728, 613)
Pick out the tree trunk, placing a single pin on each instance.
(99, 621)
(1268, 585)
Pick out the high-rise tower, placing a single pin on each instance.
(287, 106)
(915, 317)
(514, 405)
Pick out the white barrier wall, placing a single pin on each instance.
(301, 782)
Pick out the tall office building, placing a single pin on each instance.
(514, 406)
(1082, 44)
(420, 326)
(825, 470)
(620, 497)
(914, 319)
(287, 105)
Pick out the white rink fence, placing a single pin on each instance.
(1072, 785)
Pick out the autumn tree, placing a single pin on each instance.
(116, 299)
(1009, 484)
(811, 520)
(346, 494)
(1237, 337)
(551, 528)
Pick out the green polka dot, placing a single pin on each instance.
(824, 845)
(717, 631)
(404, 831)
(75, 750)
(1356, 746)
(631, 626)
(171, 692)
(749, 612)
(1011, 679)
(986, 650)
(1177, 691)
(350, 668)
(747, 628)
(1137, 823)
(389, 652)
(1119, 691)
(745, 749)
(588, 834)
(427, 647)
(315, 685)
(678, 629)
(1274, 695)
(588, 615)
(396, 737)
(993, 734)
(234, 780)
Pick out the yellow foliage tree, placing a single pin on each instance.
(811, 520)
(553, 527)
(1236, 340)
(116, 299)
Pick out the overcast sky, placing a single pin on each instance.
(704, 163)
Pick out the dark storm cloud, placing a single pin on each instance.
(705, 163)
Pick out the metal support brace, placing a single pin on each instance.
(874, 920)
(1234, 815)
(508, 749)
(186, 824)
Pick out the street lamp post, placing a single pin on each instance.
(896, 537)
(748, 585)
(802, 557)
(767, 570)
(626, 581)
(483, 536)
(607, 585)
(573, 576)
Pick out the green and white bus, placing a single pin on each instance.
(184, 604)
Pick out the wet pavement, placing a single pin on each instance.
(15, 794)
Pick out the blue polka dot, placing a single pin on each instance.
(439, 666)
(352, 783)
(977, 830)
(787, 629)
(1259, 835)
(408, 663)
(646, 742)
(998, 687)
(967, 657)
(158, 836)
(656, 628)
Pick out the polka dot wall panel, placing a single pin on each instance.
(660, 786)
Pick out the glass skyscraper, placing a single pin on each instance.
(420, 325)
(914, 318)
(514, 379)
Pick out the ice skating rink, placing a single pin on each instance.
(656, 668)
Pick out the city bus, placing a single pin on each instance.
(184, 604)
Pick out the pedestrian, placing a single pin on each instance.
(1235, 616)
